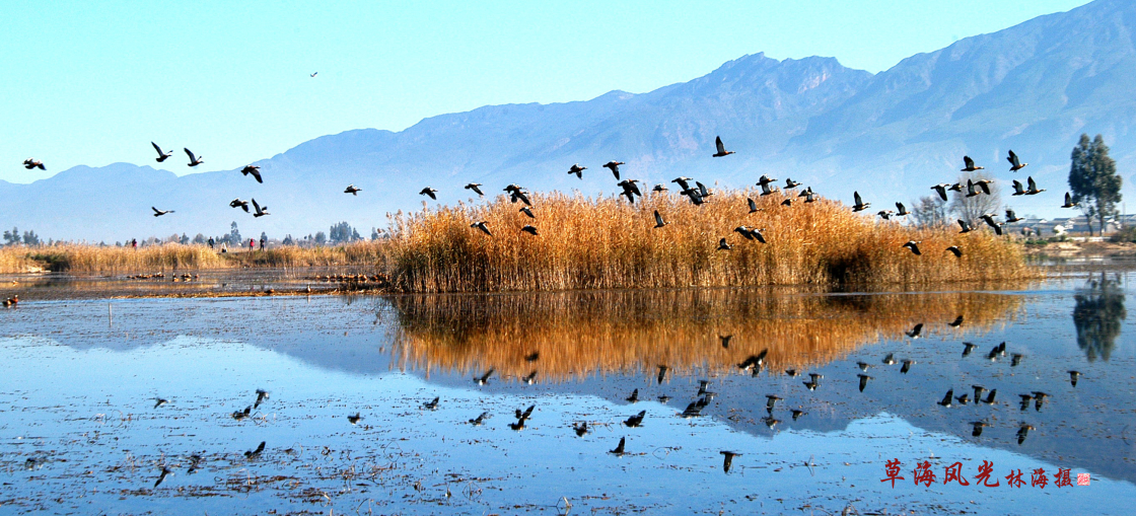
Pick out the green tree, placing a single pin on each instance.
(340, 233)
(30, 238)
(1093, 180)
(13, 236)
(235, 235)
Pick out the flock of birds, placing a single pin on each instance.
(698, 194)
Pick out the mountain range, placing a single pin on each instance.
(1034, 88)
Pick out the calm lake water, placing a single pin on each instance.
(80, 432)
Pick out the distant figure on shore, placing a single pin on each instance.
(134, 243)
(252, 244)
(263, 241)
(211, 242)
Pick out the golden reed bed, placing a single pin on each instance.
(581, 334)
(603, 243)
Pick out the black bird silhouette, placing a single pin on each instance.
(428, 191)
(659, 188)
(1069, 201)
(483, 226)
(965, 226)
(432, 404)
(884, 214)
(956, 323)
(901, 210)
(659, 222)
(630, 189)
(162, 156)
(1039, 400)
(1032, 188)
(969, 165)
(261, 395)
(353, 190)
(754, 360)
(723, 246)
(683, 182)
(31, 163)
(522, 417)
(978, 390)
(1016, 359)
(702, 384)
(159, 402)
(258, 210)
(474, 187)
(614, 167)
(242, 414)
(963, 399)
(162, 476)
(863, 365)
(797, 413)
(914, 246)
(1023, 431)
(250, 455)
(989, 220)
(860, 205)
(1073, 375)
(864, 381)
(1018, 188)
(907, 363)
(947, 399)
(990, 397)
(635, 420)
(483, 379)
(662, 373)
(578, 170)
(1011, 217)
(354, 418)
(479, 419)
(984, 184)
(792, 372)
(941, 189)
(812, 384)
(916, 331)
(721, 148)
(1026, 398)
(580, 428)
(238, 203)
(728, 460)
(771, 401)
(530, 379)
(634, 397)
(159, 213)
(619, 448)
(516, 193)
(752, 205)
(664, 399)
(530, 230)
(725, 340)
(770, 421)
(193, 160)
(978, 426)
(954, 249)
(1015, 165)
(889, 359)
(789, 183)
(968, 347)
(252, 169)
(194, 463)
(532, 357)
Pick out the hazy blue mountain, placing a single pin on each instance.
(1033, 87)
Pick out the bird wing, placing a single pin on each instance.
(1032, 185)
(985, 187)
(1013, 158)
(190, 153)
(256, 174)
(752, 205)
(157, 211)
(159, 149)
(658, 218)
(1068, 199)
(718, 143)
(255, 205)
(858, 200)
(963, 224)
(969, 162)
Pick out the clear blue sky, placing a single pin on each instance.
(92, 83)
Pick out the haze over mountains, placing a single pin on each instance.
(1033, 88)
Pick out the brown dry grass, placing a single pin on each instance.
(588, 243)
(580, 334)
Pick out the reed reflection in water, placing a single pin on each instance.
(573, 335)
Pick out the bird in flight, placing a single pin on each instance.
(530, 230)
(260, 211)
(527, 211)
(159, 213)
(1032, 187)
(1069, 201)
(353, 190)
(249, 169)
(429, 192)
(914, 246)
(474, 187)
(860, 205)
(313, 74)
(31, 163)
(728, 460)
(970, 165)
(238, 203)
(721, 148)
(193, 160)
(161, 155)
(954, 249)
(659, 222)
(484, 227)
(578, 170)
(1015, 163)
(614, 167)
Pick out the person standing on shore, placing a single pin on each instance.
(252, 244)
(211, 242)
(134, 243)
(263, 241)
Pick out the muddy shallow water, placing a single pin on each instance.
(80, 432)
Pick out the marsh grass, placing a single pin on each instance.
(607, 243)
(582, 334)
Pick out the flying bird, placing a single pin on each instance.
(193, 160)
(789, 183)
(725, 340)
(530, 230)
(635, 420)
(483, 379)
(634, 397)
(1015, 163)
(1069, 201)
(159, 213)
(1011, 217)
(1018, 188)
(946, 401)
(956, 323)
(578, 170)
(662, 373)
(354, 418)
(353, 190)
(723, 246)
(1073, 376)
(261, 395)
(238, 203)
(941, 189)
(864, 381)
(483, 226)
(721, 148)
(954, 249)
(162, 156)
(619, 448)
(162, 476)
(479, 419)
(31, 163)
(250, 455)
(978, 426)
(432, 404)
(159, 402)
(1032, 187)
(429, 192)
(474, 187)
(248, 169)
(902, 210)
(1023, 431)
(914, 246)
(965, 226)
(752, 205)
(614, 167)
(907, 363)
(988, 218)
(728, 460)
(860, 205)
(969, 165)
(313, 74)
(916, 331)
(259, 210)
(580, 428)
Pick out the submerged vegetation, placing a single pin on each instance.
(599, 243)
